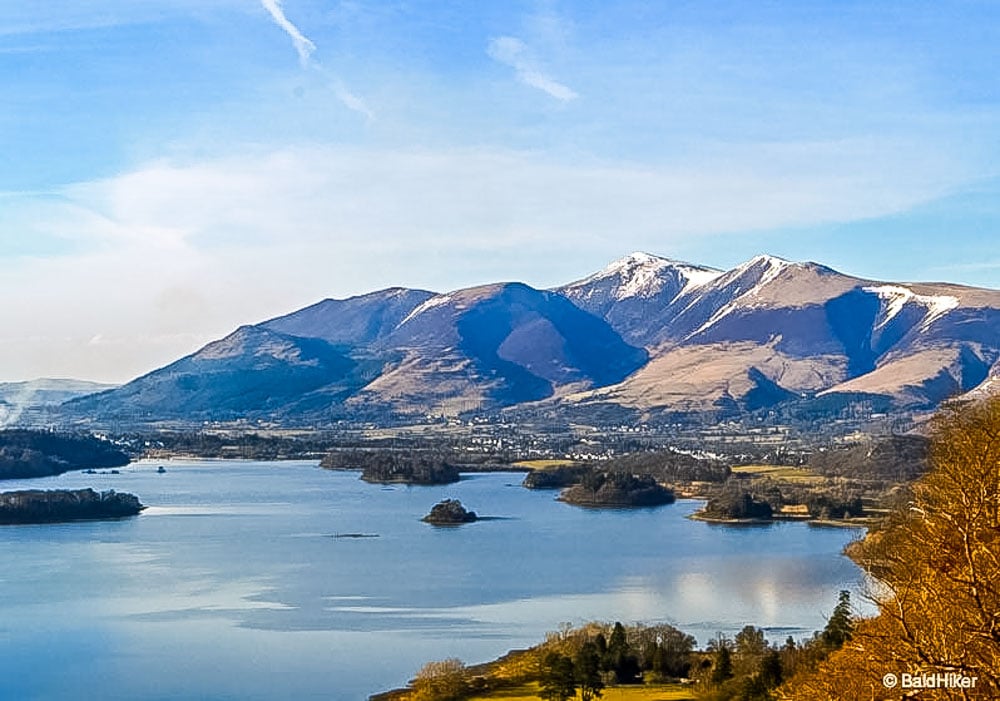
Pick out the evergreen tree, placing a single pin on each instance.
(750, 646)
(722, 668)
(771, 672)
(840, 627)
(558, 680)
(588, 672)
(619, 658)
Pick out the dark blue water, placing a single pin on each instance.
(231, 586)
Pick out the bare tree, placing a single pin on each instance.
(445, 680)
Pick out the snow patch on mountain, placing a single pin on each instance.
(896, 297)
(698, 277)
(435, 301)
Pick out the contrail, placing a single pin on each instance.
(303, 46)
(514, 53)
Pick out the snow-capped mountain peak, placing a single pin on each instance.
(644, 275)
(765, 266)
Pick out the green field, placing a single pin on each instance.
(650, 692)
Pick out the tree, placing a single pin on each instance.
(587, 667)
(722, 666)
(672, 656)
(840, 627)
(771, 671)
(937, 560)
(558, 680)
(750, 648)
(619, 658)
(441, 681)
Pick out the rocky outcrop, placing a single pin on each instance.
(450, 512)
(41, 506)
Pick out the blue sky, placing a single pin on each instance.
(174, 168)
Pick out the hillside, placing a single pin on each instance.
(26, 453)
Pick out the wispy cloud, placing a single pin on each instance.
(513, 52)
(303, 45)
(352, 101)
(305, 49)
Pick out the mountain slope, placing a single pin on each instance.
(356, 321)
(497, 345)
(251, 373)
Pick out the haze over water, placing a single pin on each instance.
(232, 586)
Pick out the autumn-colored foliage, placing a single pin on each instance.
(936, 563)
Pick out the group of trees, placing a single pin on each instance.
(732, 502)
(561, 676)
(669, 466)
(582, 662)
(588, 661)
(411, 467)
(572, 660)
(895, 459)
(747, 668)
(618, 489)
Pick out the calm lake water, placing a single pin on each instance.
(232, 586)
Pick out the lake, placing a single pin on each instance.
(232, 584)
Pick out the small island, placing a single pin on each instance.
(617, 490)
(55, 506)
(735, 507)
(450, 512)
(392, 468)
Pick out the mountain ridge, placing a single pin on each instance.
(646, 334)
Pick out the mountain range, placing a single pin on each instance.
(646, 336)
(22, 401)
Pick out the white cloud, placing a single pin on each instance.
(513, 52)
(172, 255)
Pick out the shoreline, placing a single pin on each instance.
(864, 522)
